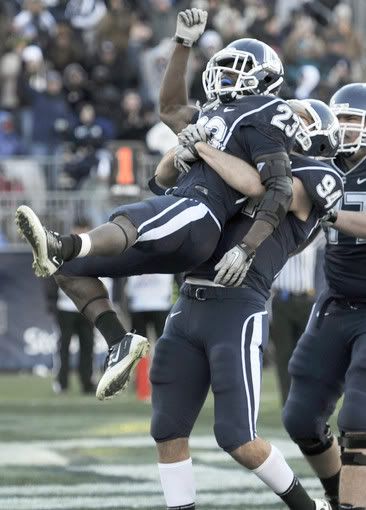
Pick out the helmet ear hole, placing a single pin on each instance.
(267, 79)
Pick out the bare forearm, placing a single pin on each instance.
(173, 102)
(352, 223)
(239, 174)
(166, 174)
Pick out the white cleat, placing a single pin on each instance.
(119, 364)
(46, 245)
(322, 504)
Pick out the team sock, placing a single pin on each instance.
(75, 245)
(110, 327)
(178, 484)
(277, 474)
(331, 487)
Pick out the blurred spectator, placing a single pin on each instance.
(31, 79)
(64, 48)
(52, 117)
(35, 22)
(10, 141)
(302, 47)
(77, 86)
(118, 68)
(134, 119)
(85, 15)
(153, 64)
(162, 18)
(86, 157)
(10, 66)
(342, 40)
(116, 24)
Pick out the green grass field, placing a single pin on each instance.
(75, 453)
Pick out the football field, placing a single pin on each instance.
(75, 453)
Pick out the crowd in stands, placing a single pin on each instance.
(83, 72)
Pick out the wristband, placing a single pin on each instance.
(182, 41)
(330, 217)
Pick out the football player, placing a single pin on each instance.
(180, 230)
(330, 357)
(215, 336)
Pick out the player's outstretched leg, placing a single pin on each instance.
(125, 349)
(51, 250)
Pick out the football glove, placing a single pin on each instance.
(328, 220)
(234, 266)
(190, 26)
(183, 158)
(192, 134)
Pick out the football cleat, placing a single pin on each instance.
(119, 364)
(46, 245)
(322, 504)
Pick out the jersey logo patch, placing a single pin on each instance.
(360, 181)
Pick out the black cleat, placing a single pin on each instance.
(120, 362)
(46, 245)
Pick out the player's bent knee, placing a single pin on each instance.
(315, 445)
(165, 428)
(353, 448)
(230, 436)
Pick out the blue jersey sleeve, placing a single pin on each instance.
(270, 130)
(323, 185)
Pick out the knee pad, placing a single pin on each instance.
(315, 446)
(353, 442)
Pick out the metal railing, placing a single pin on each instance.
(60, 209)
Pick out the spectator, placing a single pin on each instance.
(117, 67)
(77, 86)
(35, 23)
(31, 79)
(10, 141)
(64, 48)
(115, 25)
(134, 119)
(51, 116)
(86, 157)
(10, 67)
(153, 64)
(342, 40)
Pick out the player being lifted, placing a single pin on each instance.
(180, 230)
(330, 357)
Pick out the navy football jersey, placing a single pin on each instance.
(345, 256)
(274, 252)
(248, 128)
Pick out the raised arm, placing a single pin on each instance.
(174, 109)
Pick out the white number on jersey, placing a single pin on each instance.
(281, 119)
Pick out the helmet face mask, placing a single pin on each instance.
(353, 134)
(236, 71)
(318, 133)
(349, 105)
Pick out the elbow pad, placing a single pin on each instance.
(275, 173)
